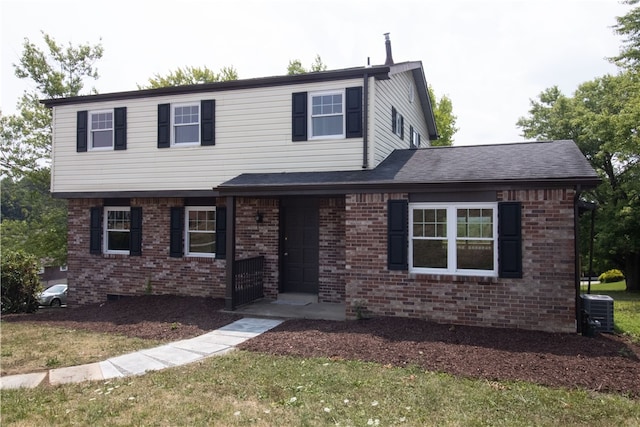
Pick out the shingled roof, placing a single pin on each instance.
(529, 163)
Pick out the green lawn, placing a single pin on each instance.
(626, 307)
(245, 388)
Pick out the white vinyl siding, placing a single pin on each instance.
(396, 93)
(253, 135)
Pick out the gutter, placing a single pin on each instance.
(365, 122)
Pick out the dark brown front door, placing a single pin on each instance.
(300, 245)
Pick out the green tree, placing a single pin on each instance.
(32, 220)
(191, 76)
(295, 66)
(603, 118)
(56, 72)
(445, 119)
(37, 222)
(629, 27)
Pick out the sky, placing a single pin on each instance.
(490, 57)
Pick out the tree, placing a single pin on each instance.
(629, 26)
(191, 76)
(445, 119)
(58, 72)
(295, 66)
(603, 118)
(37, 223)
(33, 221)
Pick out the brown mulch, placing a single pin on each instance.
(608, 363)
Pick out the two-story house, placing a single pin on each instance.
(327, 182)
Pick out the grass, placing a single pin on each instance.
(33, 347)
(626, 307)
(245, 388)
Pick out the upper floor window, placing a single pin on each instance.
(327, 114)
(397, 123)
(455, 239)
(200, 231)
(101, 130)
(117, 227)
(186, 123)
(415, 138)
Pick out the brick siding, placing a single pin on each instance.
(92, 277)
(542, 300)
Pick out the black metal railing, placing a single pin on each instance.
(248, 280)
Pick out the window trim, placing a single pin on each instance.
(90, 130)
(452, 237)
(415, 138)
(173, 124)
(186, 239)
(310, 117)
(105, 230)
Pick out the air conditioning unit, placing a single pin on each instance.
(600, 308)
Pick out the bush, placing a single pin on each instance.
(20, 283)
(611, 276)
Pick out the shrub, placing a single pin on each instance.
(20, 283)
(611, 276)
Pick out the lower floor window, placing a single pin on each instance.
(200, 231)
(453, 239)
(117, 226)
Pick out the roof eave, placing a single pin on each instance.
(379, 72)
(394, 186)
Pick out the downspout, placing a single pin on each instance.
(365, 123)
(576, 250)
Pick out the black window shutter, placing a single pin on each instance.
(135, 232)
(354, 112)
(397, 234)
(299, 116)
(401, 127)
(95, 233)
(120, 128)
(509, 240)
(82, 133)
(208, 122)
(418, 143)
(221, 232)
(175, 235)
(164, 125)
(394, 116)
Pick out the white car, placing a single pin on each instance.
(54, 296)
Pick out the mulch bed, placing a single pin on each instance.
(607, 363)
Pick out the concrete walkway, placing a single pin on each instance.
(177, 353)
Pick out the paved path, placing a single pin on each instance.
(177, 353)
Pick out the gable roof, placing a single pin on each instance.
(550, 163)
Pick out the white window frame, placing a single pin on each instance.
(174, 125)
(452, 237)
(415, 138)
(399, 124)
(311, 115)
(106, 230)
(91, 130)
(188, 209)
